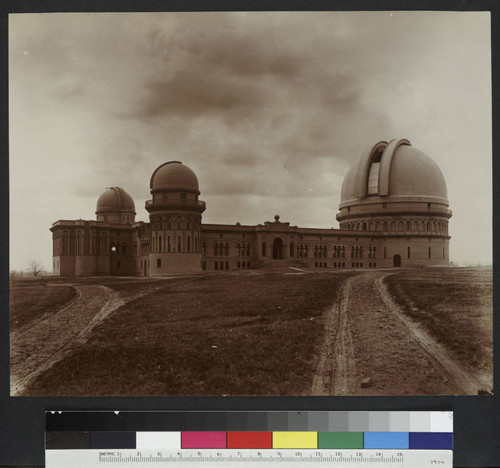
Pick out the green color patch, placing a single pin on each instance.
(340, 440)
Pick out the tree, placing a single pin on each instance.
(35, 268)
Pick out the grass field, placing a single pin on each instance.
(455, 305)
(32, 299)
(207, 335)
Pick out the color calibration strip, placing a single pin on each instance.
(253, 440)
(305, 430)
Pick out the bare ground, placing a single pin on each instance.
(368, 337)
(36, 348)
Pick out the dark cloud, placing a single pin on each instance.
(190, 93)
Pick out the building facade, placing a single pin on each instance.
(393, 212)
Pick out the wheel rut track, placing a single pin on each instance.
(336, 368)
(336, 363)
(37, 348)
(468, 383)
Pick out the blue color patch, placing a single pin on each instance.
(431, 440)
(386, 440)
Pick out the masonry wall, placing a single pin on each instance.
(172, 263)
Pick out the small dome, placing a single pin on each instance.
(115, 199)
(174, 175)
(394, 169)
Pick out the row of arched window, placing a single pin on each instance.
(174, 222)
(243, 250)
(435, 227)
(221, 249)
(320, 251)
(356, 251)
(302, 250)
(173, 244)
(339, 251)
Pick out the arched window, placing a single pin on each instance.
(226, 249)
(291, 249)
(238, 249)
(159, 245)
(179, 244)
(264, 249)
(169, 247)
(428, 226)
(408, 226)
(409, 252)
(385, 226)
(248, 250)
(364, 226)
(188, 243)
(204, 249)
(429, 252)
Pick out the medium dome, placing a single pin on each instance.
(394, 169)
(115, 199)
(174, 175)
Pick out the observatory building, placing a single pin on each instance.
(393, 212)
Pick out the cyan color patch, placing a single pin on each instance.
(386, 440)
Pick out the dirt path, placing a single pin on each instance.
(368, 337)
(36, 348)
(468, 383)
(337, 365)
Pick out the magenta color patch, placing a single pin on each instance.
(195, 440)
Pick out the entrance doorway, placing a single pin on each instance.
(397, 261)
(278, 249)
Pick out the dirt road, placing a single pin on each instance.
(367, 336)
(36, 348)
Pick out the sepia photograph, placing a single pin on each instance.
(250, 203)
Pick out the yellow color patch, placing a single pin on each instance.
(296, 440)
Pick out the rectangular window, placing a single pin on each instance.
(216, 265)
(238, 264)
(227, 265)
(158, 263)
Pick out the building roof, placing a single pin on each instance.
(404, 171)
(174, 175)
(115, 199)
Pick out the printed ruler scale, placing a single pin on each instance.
(228, 439)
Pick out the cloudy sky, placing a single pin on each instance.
(269, 109)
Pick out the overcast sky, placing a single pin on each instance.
(268, 109)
